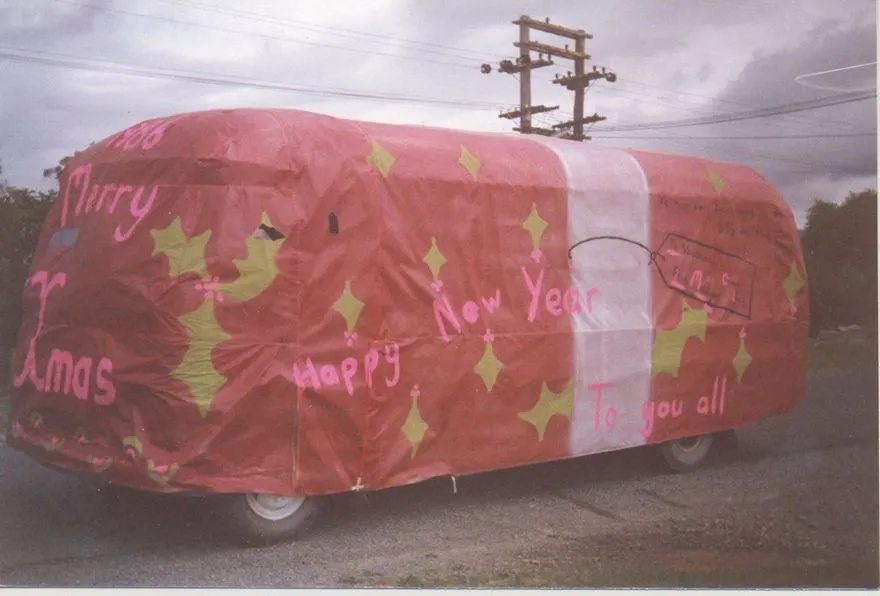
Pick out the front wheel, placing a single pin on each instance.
(261, 519)
(683, 455)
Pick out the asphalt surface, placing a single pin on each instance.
(59, 531)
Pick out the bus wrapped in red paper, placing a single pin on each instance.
(275, 306)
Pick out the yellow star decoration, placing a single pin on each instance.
(669, 344)
(196, 370)
(470, 162)
(716, 181)
(489, 367)
(793, 283)
(434, 259)
(380, 159)
(348, 306)
(184, 254)
(415, 427)
(163, 478)
(535, 226)
(257, 270)
(549, 404)
(742, 360)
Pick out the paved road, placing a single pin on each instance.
(58, 531)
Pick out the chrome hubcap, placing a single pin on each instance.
(274, 507)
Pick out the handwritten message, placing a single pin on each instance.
(555, 302)
(700, 271)
(92, 199)
(307, 374)
(732, 218)
(65, 373)
(82, 198)
(605, 416)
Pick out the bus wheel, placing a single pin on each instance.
(683, 455)
(260, 519)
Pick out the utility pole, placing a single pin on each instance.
(577, 82)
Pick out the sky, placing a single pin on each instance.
(674, 59)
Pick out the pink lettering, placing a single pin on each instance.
(309, 377)
(82, 375)
(553, 301)
(470, 311)
(29, 370)
(137, 211)
(648, 416)
(329, 375)
(611, 417)
(105, 197)
(108, 189)
(663, 409)
(535, 291)
(146, 135)
(349, 370)
(677, 408)
(134, 137)
(610, 414)
(572, 301)
(154, 137)
(60, 363)
(442, 309)
(79, 179)
(371, 362)
(93, 198)
(715, 405)
(392, 357)
(64, 373)
(108, 390)
(492, 303)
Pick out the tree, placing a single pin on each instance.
(840, 249)
(22, 212)
(55, 172)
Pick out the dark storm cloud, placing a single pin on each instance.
(676, 59)
(769, 80)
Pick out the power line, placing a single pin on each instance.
(356, 50)
(690, 106)
(383, 39)
(749, 137)
(749, 115)
(81, 63)
(337, 31)
(678, 93)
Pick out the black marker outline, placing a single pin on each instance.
(656, 253)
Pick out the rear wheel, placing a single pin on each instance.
(684, 455)
(261, 519)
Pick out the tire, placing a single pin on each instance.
(726, 441)
(262, 520)
(684, 455)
